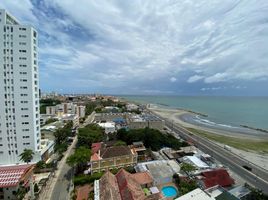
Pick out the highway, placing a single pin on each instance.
(258, 177)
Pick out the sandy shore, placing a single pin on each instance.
(174, 115)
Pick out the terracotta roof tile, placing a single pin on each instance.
(108, 187)
(142, 178)
(82, 192)
(129, 188)
(217, 177)
(115, 151)
(12, 175)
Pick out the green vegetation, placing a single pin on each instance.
(187, 168)
(256, 194)
(151, 138)
(27, 155)
(80, 158)
(120, 143)
(61, 137)
(47, 102)
(184, 185)
(20, 193)
(51, 120)
(43, 165)
(89, 134)
(90, 107)
(239, 143)
(87, 179)
(98, 106)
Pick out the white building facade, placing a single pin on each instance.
(19, 90)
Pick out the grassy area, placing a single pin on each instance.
(244, 144)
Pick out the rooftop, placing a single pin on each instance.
(196, 194)
(196, 161)
(12, 175)
(82, 192)
(115, 151)
(217, 177)
(142, 177)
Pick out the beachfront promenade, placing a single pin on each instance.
(258, 177)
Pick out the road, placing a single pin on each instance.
(60, 186)
(63, 185)
(258, 177)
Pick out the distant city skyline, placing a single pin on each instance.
(157, 47)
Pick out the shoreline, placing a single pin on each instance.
(259, 157)
(191, 119)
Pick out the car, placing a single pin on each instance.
(247, 167)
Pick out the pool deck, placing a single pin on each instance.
(168, 184)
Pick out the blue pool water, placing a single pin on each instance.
(169, 191)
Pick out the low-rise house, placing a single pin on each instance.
(125, 186)
(241, 193)
(109, 127)
(162, 171)
(196, 162)
(105, 158)
(183, 151)
(46, 148)
(140, 149)
(215, 177)
(70, 118)
(196, 194)
(14, 178)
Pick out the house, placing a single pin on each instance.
(125, 186)
(241, 192)
(196, 194)
(14, 177)
(82, 192)
(140, 149)
(162, 171)
(109, 127)
(215, 177)
(195, 161)
(111, 157)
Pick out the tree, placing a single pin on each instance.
(186, 167)
(120, 143)
(27, 155)
(80, 158)
(89, 134)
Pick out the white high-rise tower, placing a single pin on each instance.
(19, 90)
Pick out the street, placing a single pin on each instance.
(60, 187)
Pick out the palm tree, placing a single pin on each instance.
(27, 155)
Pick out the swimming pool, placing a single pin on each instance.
(169, 191)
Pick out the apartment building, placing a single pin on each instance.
(19, 90)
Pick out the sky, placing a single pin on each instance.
(154, 47)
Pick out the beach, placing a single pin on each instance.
(221, 136)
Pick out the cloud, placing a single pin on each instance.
(194, 78)
(173, 79)
(122, 45)
(218, 77)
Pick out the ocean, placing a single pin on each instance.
(223, 111)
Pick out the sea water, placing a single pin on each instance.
(223, 111)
